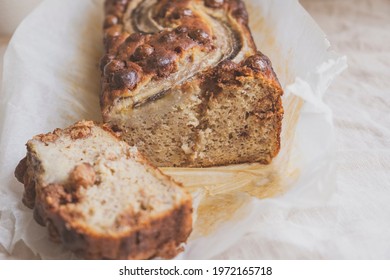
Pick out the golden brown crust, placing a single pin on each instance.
(228, 73)
(21, 169)
(133, 59)
(23, 174)
(157, 237)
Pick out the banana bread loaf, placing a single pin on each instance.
(101, 198)
(184, 82)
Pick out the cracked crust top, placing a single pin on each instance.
(152, 46)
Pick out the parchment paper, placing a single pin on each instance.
(51, 79)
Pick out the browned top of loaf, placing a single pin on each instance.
(134, 59)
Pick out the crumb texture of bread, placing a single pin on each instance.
(184, 82)
(101, 198)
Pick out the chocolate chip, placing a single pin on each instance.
(214, 3)
(114, 30)
(167, 37)
(125, 79)
(181, 29)
(110, 20)
(105, 60)
(226, 72)
(257, 62)
(178, 50)
(143, 51)
(162, 63)
(113, 66)
(112, 43)
(199, 35)
(135, 37)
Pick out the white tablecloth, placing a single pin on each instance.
(355, 223)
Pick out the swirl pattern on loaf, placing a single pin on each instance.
(179, 50)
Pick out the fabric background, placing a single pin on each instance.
(355, 224)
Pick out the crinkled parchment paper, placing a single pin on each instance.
(51, 79)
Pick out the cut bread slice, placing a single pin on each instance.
(100, 197)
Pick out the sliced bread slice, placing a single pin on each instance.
(100, 197)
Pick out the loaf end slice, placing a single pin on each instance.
(100, 197)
